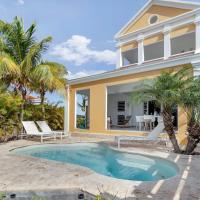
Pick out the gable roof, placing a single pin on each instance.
(167, 3)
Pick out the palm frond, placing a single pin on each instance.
(33, 56)
(166, 89)
(8, 66)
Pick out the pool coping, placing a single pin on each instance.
(92, 171)
(89, 180)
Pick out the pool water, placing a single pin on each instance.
(104, 160)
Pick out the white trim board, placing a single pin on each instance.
(172, 3)
(144, 67)
(173, 23)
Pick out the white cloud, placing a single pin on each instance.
(83, 74)
(77, 49)
(21, 2)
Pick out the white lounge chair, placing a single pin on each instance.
(45, 127)
(152, 136)
(32, 130)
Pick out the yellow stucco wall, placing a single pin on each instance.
(182, 30)
(98, 103)
(154, 39)
(147, 41)
(163, 12)
(129, 46)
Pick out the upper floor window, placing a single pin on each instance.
(153, 19)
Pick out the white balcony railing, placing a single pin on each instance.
(192, 17)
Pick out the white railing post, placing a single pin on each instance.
(197, 23)
(119, 58)
(140, 41)
(167, 42)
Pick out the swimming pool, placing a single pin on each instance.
(104, 160)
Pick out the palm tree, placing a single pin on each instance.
(166, 90)
(8, 68)
(84, 108)
(22, 52)
(49, 77)
(83, 104)
(190, 101)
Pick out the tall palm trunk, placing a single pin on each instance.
(193, 136)
(169, 127)
(23, 94)
(42, 97)
(22, 111)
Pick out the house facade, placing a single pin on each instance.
(164, 35)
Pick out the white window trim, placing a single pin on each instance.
(75, 117)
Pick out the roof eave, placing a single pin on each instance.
(137, 69)
(173, 3)
(135, 17)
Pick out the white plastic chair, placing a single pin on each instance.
(140, 122)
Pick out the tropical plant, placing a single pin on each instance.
(36, 197)
(22, 71)
(49, 77)
(2, 196)
(190, 101)
(83, 103)
(54, 114)
(9, 115)
(166, 89)
(21, 53)
(80, 122)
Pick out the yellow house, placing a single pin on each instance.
(163, 35)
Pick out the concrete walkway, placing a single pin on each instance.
(20, 173)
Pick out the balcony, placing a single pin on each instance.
(180, 45)
(179, 36)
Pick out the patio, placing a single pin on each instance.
(125, 114)
(22, 174)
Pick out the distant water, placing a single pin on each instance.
(104, 160)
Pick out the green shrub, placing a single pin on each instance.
(80, 122)
(10, 125)
(54, 114)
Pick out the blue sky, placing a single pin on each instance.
(82, 30)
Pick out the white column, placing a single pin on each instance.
(66, 112)
(167, 43)
(197, 22)
(140, 41)
(119, 58)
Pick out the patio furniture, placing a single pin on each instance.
(140, 122)
(32, 130)
(109, 122)
(149, 122)
(124, 123)
(45, 128)
(152, 136)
